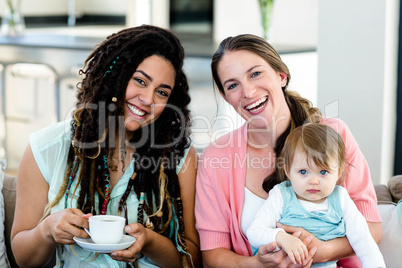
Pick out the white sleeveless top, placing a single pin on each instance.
(252, 203)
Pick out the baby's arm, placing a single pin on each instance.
(358, 234)
(263, 231)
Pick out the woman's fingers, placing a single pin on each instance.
(309, 260)
(291, 229)
(308, 264)
(66, 224)
(299, 232)
(267, 248)
(86, 216)
(129, 255)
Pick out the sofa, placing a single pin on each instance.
(388, 197)
(389, 203)
(7, 206)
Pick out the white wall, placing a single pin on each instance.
(60, 7)
(293, 21)
(303, 71)
(357, 55)
(40, 7)
(155, 12)
(231, 18)
(104, 7)
(135, 10)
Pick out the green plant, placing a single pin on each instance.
(12, 23)
(266, 12)
(14, 6)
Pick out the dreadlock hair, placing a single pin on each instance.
(301, 109)
(97, 118)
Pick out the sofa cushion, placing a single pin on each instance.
(395, 188)
(9, 194)
(383, 194)
(391, 242)
(3, 255)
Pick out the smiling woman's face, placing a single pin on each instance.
(148, 92)
(253, 87)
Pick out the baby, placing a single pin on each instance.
(311, 165)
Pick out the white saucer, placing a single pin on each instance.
(88, 244)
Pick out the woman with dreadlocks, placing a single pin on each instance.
(125, 152)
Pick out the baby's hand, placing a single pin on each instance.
(293, 246)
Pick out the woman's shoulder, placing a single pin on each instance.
(59, 128)
(342, 128)
(334, 122)
(48, 136)
(50, 148)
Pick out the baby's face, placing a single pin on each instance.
(310, 182)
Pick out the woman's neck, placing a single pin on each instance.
(123, 150)
(266, 137)
(121, 159)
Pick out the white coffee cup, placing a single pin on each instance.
(106, 229)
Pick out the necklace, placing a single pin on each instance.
(70, 181)
(107, 185)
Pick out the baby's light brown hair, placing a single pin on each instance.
(321, 144)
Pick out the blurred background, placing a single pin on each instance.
(343, 56)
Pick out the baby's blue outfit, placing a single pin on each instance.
(50, 149)
(323, 226)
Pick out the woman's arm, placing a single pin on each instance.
(265, 258)
(222, 258)
(187, 179)
(375, 230)
(160, 248)
(358, 233)
(331, 250)
(335, 249)
(34, 243)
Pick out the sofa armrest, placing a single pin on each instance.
(9, 194)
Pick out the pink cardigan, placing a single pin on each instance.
(221, 181)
